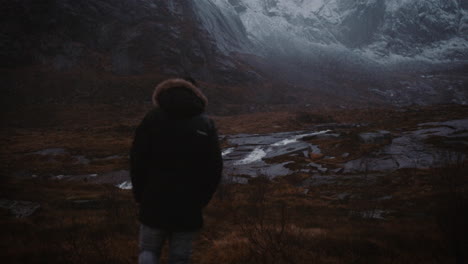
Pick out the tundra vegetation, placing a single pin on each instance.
(409, 215)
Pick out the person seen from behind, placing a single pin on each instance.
(175, 167)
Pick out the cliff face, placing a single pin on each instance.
(112, 51)
(121, 37)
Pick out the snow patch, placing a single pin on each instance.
(126, 185)
(256, 155)
(227, 151)
(298, 137)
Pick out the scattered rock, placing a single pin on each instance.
(227, 151)
(322, 170)
(328, 136)
(87, 204)
(80, 177)
(375, 137)
(318, 167)
(317, 180)
(113, 177)
(20, 209)
(239, 180)
(337, 170)
(50, 152)
(53, 152)
(316, 156)
(386, 197)
(112, 157)
(80, 159)
(252, 153)
(334, 126)
(126, 185)
(59, 177)
(343, 196)
(372, 214)
(410, 150)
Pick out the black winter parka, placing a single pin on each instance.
(175, 159)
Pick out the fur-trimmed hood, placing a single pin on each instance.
(173, 83)
(179, 97)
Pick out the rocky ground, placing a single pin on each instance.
(330, 186)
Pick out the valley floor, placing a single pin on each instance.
(406, 215)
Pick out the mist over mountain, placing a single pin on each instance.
(394, 51)
(331, 42)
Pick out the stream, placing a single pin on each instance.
(251, 155)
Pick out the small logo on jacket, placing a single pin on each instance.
(202, 133)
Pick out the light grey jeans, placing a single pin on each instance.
(152, 241)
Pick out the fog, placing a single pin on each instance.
(327, 42)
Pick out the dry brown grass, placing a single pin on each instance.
(263, 222)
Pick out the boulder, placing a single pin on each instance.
(20, 209)
(378, 137)
(315, 156)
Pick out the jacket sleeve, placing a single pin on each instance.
(215, 165)
(139, 158)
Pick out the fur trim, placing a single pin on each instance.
(172, 83)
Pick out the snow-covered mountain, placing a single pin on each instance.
(350, 47)
(380, 29)
(258, 51)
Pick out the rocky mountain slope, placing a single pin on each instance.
(385, 27)
(243, 51)
(123, 37)
(346, 47)
(110, 51)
